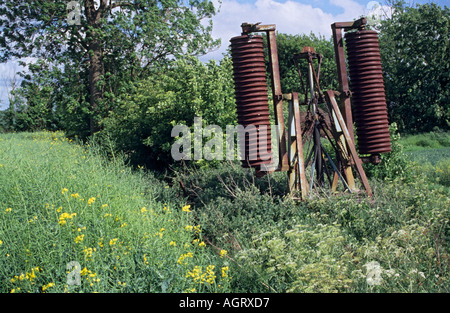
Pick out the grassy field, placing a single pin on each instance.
(431, 152)
(70, 221)
(73, 219)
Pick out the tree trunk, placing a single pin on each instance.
(96, 72)
(96, 66)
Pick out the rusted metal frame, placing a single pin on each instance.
(345, 103)
(350, 143)
(296, 174)
(351, 25)
(248, 28)
(343, 157)
(303, 185)
(309, 56)
(337, 172)
(292, 146)
(277, 100)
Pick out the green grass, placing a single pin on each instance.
(431, 153)
(429, 147)
(431, 140)
(63, 204)
(397, 241)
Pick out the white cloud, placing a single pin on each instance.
(376, 12)
(291, 17)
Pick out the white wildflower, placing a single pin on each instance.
(373, 276)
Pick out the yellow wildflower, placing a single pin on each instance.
(88, 252)
(91, 200)
(210, 275)
(225, 271)
(173, 243)
(196, 274)
(186, 208)
(183, 256)
(64, 190)
(45, 287)
(113, 241)
(189, 227)
(65, 216)
(79, 238)
(223, 253)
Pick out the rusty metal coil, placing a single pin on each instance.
(368, 94)
(252, 102)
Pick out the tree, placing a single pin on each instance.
(106, 41)
(288, 45)
(415, 47)
(31, 105)
(142, 123)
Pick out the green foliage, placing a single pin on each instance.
(433, 139)
(133, 233)
(114, 44)
(31, 105)
(302, 259)
(143, 119)
(414, 48)
(395, 164)
(398, 241)
(288, 45)
(61, 202)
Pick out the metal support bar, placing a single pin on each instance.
(345, 103)
(302, 183)
(331, 100)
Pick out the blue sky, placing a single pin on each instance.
(293, 16)
(290, 16)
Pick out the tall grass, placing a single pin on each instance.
(63, 204)
(73, 221)
(434, 140)
(397, 241)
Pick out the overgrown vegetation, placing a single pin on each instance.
(225, 231)
(63, 204)
(399, 241)
(99, 189)
(141, 76)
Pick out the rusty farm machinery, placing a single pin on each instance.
(316, 143)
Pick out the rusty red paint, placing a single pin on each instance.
(368, 93)
(252, 102)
